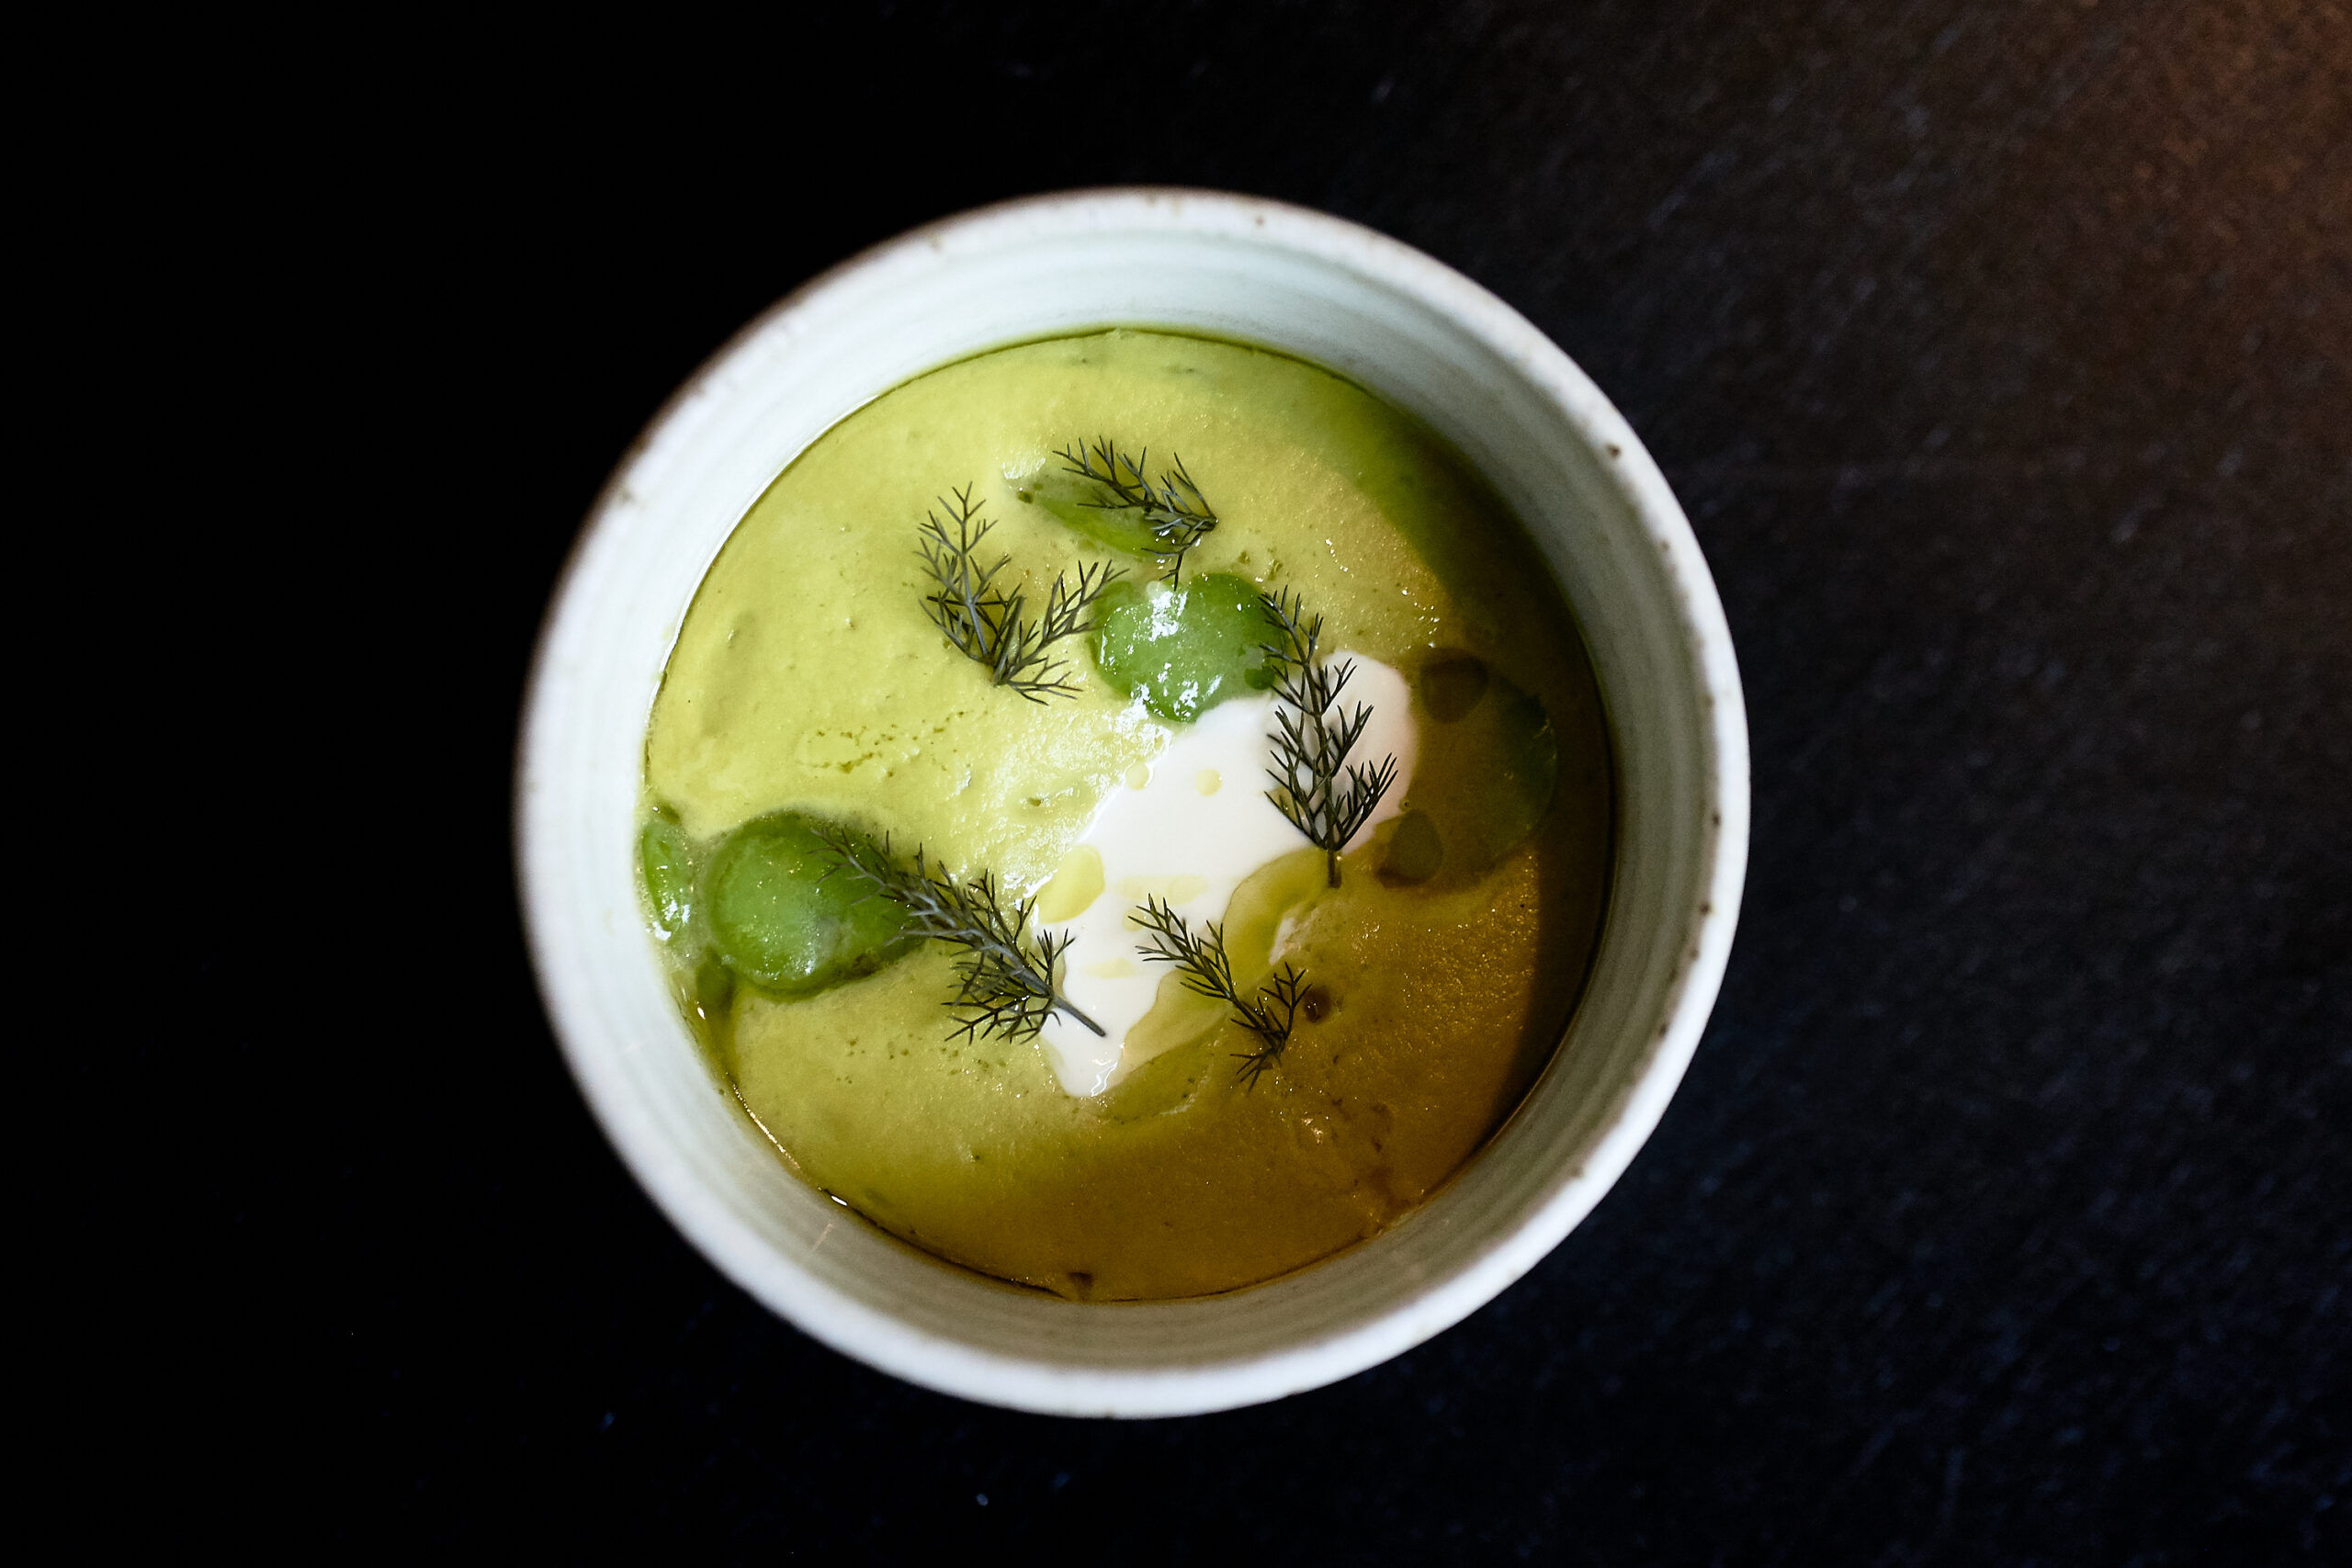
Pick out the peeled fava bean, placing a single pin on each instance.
(1183, 648)
(1490, 764)
(780, 923)
(1080, 502)
(1416, 850)
(667, 862)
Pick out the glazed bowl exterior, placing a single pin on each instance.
(1390, 318)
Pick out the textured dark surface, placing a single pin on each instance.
(2002, 357)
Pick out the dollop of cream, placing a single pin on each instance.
(1190, 829)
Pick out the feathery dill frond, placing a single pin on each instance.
(985, 622)
(1326, 797)
(1006, 975)
(1174, 509)
(1267, 1013)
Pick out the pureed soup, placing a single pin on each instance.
(1128, 814)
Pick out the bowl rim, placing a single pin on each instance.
(1038, 1383)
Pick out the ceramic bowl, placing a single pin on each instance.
(1398, 323)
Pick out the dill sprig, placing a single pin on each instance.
(1007, 975)
(985, 622)
(1326, 797)
(1175, 511)
(1267, 1013)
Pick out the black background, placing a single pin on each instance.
(2002, 357)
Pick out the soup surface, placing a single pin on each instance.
(1148, 1157)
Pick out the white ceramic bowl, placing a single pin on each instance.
(1419, 335)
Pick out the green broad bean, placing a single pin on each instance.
(1490, 765)
(1183, 648)
(1077, 501)
(667, 861)
(781, 924)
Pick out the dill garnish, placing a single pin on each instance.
(1006, 975)
(984, 621)
(1268, 1014)
(1175, 511)
(1324, 796)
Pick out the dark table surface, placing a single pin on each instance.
(2002, 357)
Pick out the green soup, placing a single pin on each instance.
(808, 686)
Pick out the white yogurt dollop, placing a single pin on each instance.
(1190, 829)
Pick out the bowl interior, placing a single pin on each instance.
(1400, 324)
